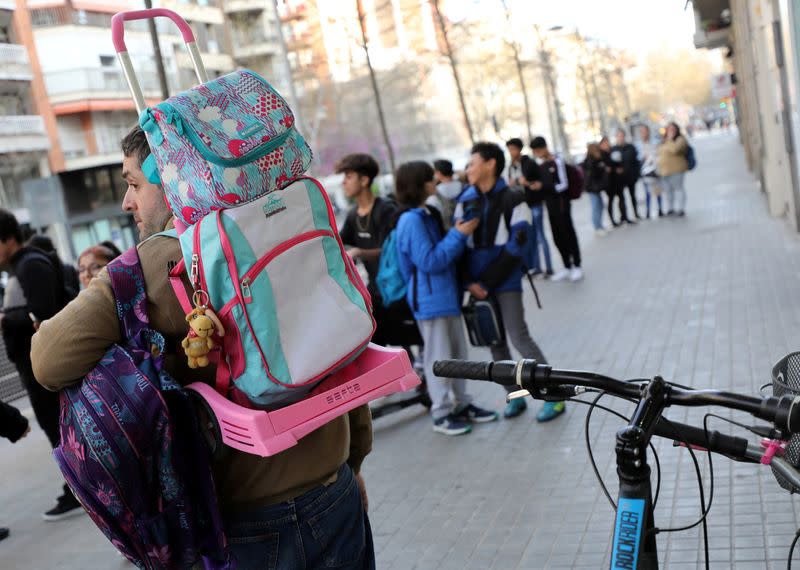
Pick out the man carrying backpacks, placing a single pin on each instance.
(311, 497)
(493, 260)
(36, 292)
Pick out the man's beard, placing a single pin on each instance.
(157, 224)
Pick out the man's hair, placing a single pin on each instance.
(489, 151)
(621, 130)
(9, 226)
(360, 163)
(538, 142)
(410, 180)
(135, 144)
(445, 167)
(515, 142)
(42, 242)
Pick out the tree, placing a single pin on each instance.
(671, 77)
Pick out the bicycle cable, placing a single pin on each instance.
(791, 549)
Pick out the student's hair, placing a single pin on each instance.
(100, 251)
(538, 142)
(515, 142)
(9, 226)
(443, 166)
(593, 150)
(603, 140)
(489, 151)
(410, 180)
(623, 131)
(42, 242)
(360, 163)
(112, 247)
(677, 128)
(135, 144)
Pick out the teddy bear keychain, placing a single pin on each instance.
(202, 324)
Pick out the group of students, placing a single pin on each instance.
(39, 286)
(482, 250)
(661, 166)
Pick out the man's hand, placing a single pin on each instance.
(355, 252)
(363, 489)
(467, 228)
(536, 185)
(27, 431)
(477, 291)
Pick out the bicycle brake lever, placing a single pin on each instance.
(553, 393)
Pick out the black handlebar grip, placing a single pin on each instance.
(717, 442)
(469, 369)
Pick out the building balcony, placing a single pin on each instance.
(232, 6)
(96, 83)
(712, 21)
(254, 42)
(23, 133)
(220, 62)
(14, 63)
(9, 5)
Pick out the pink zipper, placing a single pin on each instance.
(201, 276)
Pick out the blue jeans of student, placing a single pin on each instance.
(324, 528)
(597, 210)
(538, 237)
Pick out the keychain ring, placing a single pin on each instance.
(198, 296)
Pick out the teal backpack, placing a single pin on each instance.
(389, 280)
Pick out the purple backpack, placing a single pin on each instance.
(130, 449)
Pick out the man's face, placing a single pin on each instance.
(480, 170)
(144, 200)
(514, 152)
(354, 183)
(620, 138)
(644, 133)
(540, 153)
(438, 177)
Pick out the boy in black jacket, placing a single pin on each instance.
(13, 426)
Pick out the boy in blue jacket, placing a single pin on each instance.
(427, 258)
(494, 258)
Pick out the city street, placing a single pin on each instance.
(709, 300)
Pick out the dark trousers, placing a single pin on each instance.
(45, 404)
(631, 186)
(559, 210)
(615, 192)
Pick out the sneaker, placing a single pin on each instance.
(451, 425)
(535, 273)
(681, 214)
(550, 411)
(575, 274)
(548, 274)
(561, 275)
(4, 532)
(474, 415)
(600, 232)
(515, 408)
(66, 506)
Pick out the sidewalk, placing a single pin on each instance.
(710, 300)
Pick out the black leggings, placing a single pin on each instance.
(559, 210)
(632, 191)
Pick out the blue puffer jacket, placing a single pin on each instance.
(428, 261)
(495, 252)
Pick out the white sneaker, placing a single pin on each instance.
(576, 274)
(602, 232)
(561, 275)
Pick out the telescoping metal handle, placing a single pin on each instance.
(118, 37)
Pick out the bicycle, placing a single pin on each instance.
(634, 539)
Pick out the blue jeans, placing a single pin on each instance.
(597, 210)
(324, 528)
(537, 213)
(648, 182)
(676, 193)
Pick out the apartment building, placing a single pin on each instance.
(23, 137)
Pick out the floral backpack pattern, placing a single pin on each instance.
(224, 143)
(130, 449)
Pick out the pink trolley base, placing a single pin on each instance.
(377, 372)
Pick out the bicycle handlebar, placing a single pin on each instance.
(538, 379)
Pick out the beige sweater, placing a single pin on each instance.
(672, 157)
(70, 344)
